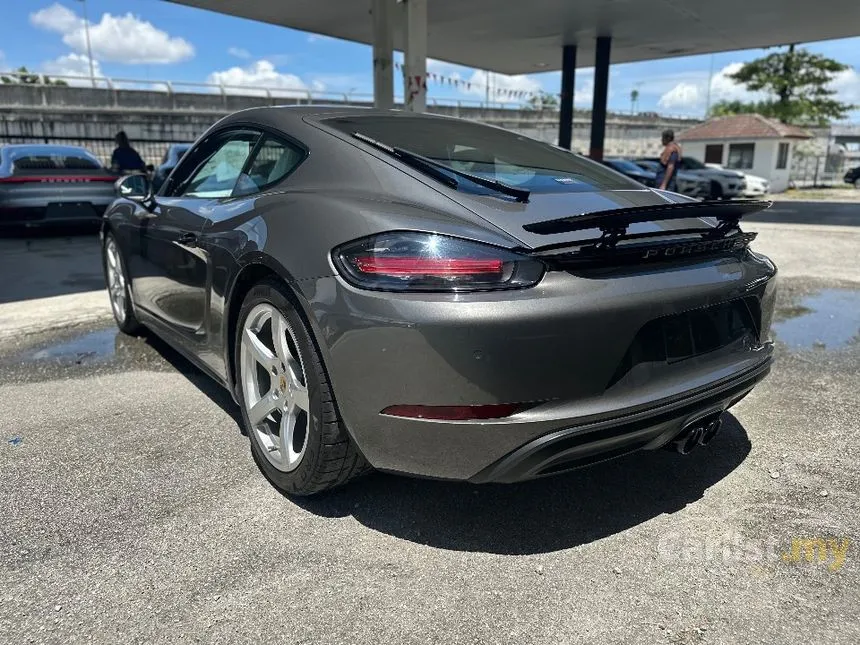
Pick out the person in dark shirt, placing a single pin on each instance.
(669, 161)
(125, 158)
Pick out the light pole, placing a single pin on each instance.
(708, 93)
(89, 47)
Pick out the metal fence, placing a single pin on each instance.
(814, 171)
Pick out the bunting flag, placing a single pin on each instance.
(459, 83)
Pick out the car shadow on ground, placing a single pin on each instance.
(217, 393)
(542, 515)
(531, 517)
(49, 261)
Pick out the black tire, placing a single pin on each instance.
(716, 190)
(126, 321)
(331, 458)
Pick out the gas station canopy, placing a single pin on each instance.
(523, 37)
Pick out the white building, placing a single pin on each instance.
(746, 142)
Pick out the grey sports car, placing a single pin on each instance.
(51, 184)
(437, 297)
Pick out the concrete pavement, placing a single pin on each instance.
(133, 512)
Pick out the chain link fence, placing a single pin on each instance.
(813, 171)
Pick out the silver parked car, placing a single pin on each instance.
(49, 184)
(437, 297)
(689, 183)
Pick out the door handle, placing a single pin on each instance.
(187, 239)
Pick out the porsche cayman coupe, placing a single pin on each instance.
(436, 297)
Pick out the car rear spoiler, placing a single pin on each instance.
(615, 245)
(728, 214)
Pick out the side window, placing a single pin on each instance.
(211, 169)
(273, 160)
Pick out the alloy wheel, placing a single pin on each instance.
(274, 386)
(116, 279)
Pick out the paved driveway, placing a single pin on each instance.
(132, 511)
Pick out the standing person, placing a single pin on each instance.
(670, 158)
(125, 158)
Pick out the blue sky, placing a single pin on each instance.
(156, 40)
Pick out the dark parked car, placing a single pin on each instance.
(630, 169)
(171, 157)
(47, 184)
(436, 297)
(853, 177)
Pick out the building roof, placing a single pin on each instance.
(526, 37)
(743, 126)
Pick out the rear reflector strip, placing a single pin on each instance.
(454, 412)
(64, 179)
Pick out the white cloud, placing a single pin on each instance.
(690, 94)
(72, 65)
(683, 96)
(239, 52)
(260, 74)
(120, 39)
(56, 18)
(847, 86)
(318, 38)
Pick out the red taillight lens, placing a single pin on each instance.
(454, 412)
(408, 261)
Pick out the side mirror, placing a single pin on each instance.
(136, 188)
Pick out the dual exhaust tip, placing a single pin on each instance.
(697, 433)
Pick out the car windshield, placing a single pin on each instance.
(694, 164)
(488, 152)
(648, 165)
(623, 165)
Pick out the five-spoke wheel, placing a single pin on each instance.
(297, 437)
(274, 386)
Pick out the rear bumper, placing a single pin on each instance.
(646, 429)
(574, 348)
(47, 210)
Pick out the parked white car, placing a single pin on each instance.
(756, 186)
(724, 183)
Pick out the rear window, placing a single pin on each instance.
(25, 161)
(486, 151)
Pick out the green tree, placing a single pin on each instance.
(634, 99)
(542, 101)
(23, 76)
(798, 81)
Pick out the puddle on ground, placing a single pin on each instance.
(828, 319)
(101, 345)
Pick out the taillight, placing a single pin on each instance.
(55, 179)
(408, 261)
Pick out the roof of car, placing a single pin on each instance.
(44, 148)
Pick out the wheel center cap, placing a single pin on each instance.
(282, 383)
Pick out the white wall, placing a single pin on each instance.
(764, 158)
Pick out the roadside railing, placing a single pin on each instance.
(285, 94)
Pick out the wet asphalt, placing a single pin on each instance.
(133, 512)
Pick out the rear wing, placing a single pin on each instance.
(616, 245)
(727, 213)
